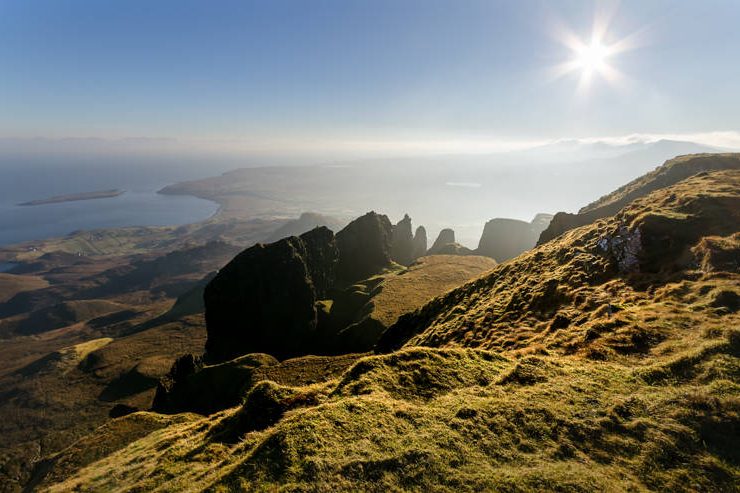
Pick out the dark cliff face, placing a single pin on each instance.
(264, 299)
(364, 247)
(420, 242)
(503, 239)
(402, 244)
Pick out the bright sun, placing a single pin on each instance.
(592, 57)
(591, 60)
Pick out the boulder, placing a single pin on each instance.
(264, 300)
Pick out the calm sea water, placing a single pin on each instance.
(139, 206)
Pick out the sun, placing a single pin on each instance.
(593, 57)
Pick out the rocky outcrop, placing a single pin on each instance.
(268, 298)
(503, 239)
(624, 246)
(445, 244)
(264, 299)
(191, 386)
(420, 242)
(670, 173)
(445, 237)
(364, 247)
(402, 242)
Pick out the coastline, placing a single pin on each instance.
(93, 239)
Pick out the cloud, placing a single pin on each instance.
(347, 148)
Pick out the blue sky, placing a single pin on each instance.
(296, 72)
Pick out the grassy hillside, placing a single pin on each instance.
(452, 419)
(11, 284)
(670, 173)
(571, 296)
(605, 360)
(426, 278)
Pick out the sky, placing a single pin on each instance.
(295, 74)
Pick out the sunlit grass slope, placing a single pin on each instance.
(605, 360)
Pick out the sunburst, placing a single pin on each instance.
(593, 57)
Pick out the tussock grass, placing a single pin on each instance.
(451, 420)
(569, 296)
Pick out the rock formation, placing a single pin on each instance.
(445, 244)
(364, 247)
(191, 386)
(503, 239)
(540, 222)
(444, 237)
(420, 242)
(264, 299)
(402, 242)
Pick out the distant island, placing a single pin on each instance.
(74, 197)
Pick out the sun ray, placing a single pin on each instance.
(592, 58)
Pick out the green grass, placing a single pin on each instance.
(458, 419)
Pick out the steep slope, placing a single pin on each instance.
(402, 242)
(363, 311)
(671, 172)
(605, 283)
(616, 368)
(264, 300)
(364, 247)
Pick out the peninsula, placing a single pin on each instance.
(74, 197)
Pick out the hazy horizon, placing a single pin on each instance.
(498, 108)
(368, 79)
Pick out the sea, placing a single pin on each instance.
(140, 205)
